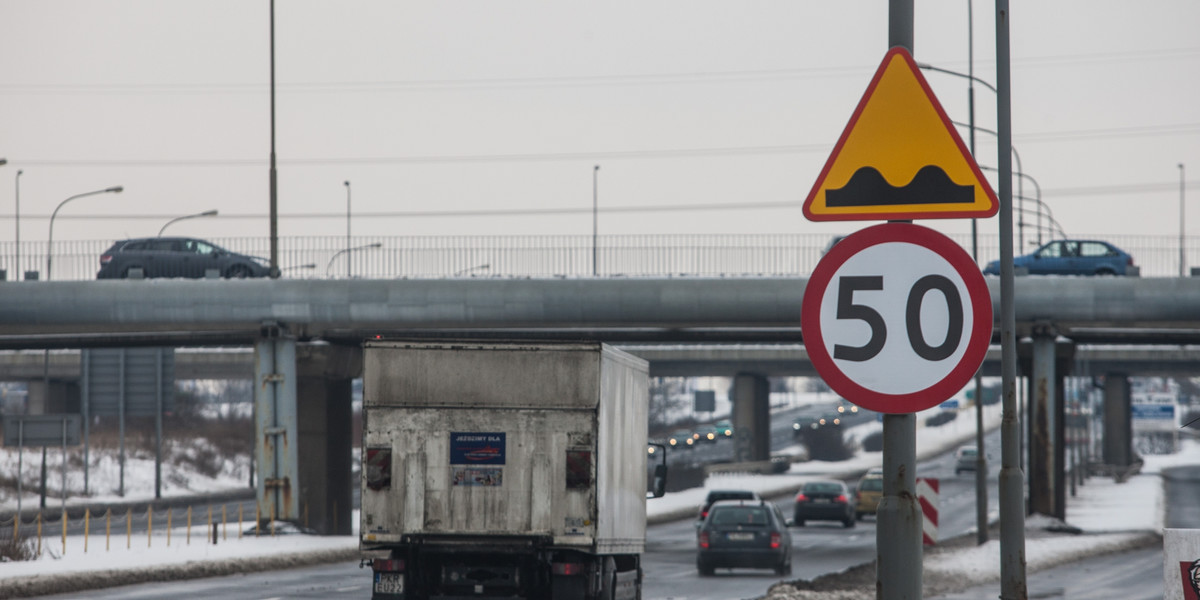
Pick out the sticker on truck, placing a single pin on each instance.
(485, 477)
(477, 448)
(379, 468)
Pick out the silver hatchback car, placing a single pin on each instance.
(965, 458)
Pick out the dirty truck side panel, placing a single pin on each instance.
(489, 440)
(621, 480)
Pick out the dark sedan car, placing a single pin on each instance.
(1072, 257)
(176, 257)
(825, 500)
(746, 534)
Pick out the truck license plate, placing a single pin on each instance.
(741, 537)
(389, 583)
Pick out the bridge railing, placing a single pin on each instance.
(551, 255)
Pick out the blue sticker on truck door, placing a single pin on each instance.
(477, 448)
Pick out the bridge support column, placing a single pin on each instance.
(751, 396)
(325, 374)
(303, 432)
(1049, 362)
(1118, 420)
(276, 440)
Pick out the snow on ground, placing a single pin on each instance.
(142, 550)
(178, 477)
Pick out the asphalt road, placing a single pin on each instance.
(820, 548)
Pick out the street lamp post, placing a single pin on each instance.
(973, 79)
(309, 266)
(50, 238)
(595, 213)
(347, 183)
(1182, 260)
(1043, 209)
(207, 213)
(483, 267)
(347, 251)
(17, 224)
(981, 456)
(1017, 157)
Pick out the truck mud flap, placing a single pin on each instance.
(628, 586)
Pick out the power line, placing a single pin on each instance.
(1052, 136)
(467, 158)
(1117, 189)
(490, 212)
(1119, 132)
(437, 85)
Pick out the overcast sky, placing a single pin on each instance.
(479, 118)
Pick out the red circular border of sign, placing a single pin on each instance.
(977, 343)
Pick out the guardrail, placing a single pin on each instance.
(37, 533)
(554, 255)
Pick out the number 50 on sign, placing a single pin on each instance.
(896, 318)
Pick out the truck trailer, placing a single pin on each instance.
(504, 469)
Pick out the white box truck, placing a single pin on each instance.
(504, 469)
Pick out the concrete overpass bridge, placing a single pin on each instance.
(307, 334)
(666, 360)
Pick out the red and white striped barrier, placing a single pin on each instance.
(927, 495)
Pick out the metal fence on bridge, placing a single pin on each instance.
(709, 255)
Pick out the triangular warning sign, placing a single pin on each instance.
(899, 157)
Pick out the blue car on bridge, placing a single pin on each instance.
(1072, 257)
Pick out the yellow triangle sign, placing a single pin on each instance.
(900, 157)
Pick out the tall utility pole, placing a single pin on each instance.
(1012, 494)
(981, 495)
(347, 182)
(273, 176)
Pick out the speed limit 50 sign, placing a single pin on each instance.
(896, 318)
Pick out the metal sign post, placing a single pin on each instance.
(897, 318)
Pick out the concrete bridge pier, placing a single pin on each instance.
(1118, 420)
(1048, 360)
(302, 401)
(325, 374)
(751, 396)
(276, 434)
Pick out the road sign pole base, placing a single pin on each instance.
(898, 572)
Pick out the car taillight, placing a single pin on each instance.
(801, 498)
(776, 539)
(388, 566)
(105, 259)
(841, 499)
(703, 515)
(703, 539)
